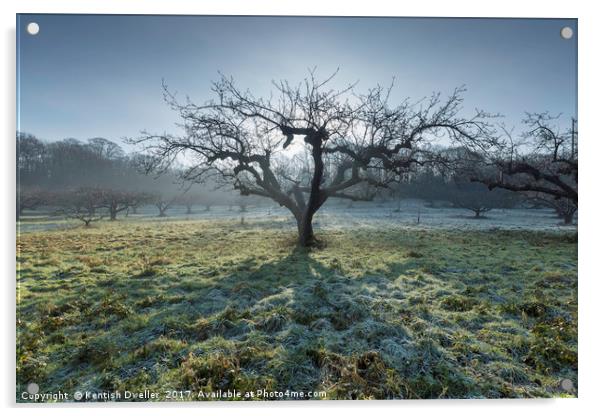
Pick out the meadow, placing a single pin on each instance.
(402, 312)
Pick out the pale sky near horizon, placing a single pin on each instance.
(86, 76)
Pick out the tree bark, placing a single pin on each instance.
(568, 218)
(306, 231)
(316, 197)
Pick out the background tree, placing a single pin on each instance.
(84, 204)
(542, 159)
(116, 201)
(564, 208)
(137, 200)
(432, 186)
(189, 200)
(477, 198)
(164, 202)
(349, 139)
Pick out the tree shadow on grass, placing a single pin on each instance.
(295, 324)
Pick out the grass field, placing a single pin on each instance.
(216, 305)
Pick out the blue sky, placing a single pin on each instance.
(89, 76)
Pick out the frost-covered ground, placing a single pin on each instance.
(414, 213)
(337, 215)
(379, 313)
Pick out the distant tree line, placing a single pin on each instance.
(372, 150)
(95, 179)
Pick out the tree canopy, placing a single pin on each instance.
(351, 139)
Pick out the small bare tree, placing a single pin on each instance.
(163, 203)
(189, 200)
(349, 139)
(564, 208)
(477, 198)
(116, 201)
(83, 204)
(137, 200)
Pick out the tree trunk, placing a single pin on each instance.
(188, 209)
(568, 218)
(306, 231)
(113, 214)
(316, 198)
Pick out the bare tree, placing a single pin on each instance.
(543, 160)
(163, 203)
(565, 208)
(477, 198)
(116, 201)
(189, 200)
(83, 204)
(348, 139)
(138, 199)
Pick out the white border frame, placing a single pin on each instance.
(589, 26)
